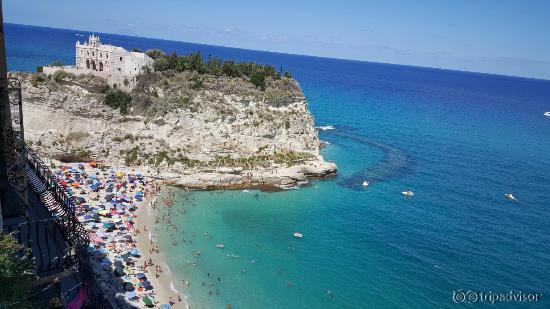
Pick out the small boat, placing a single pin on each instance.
(365, 183)
(510, 196)
(547, 114)
(407, 193)
(298, 235)
(219, 245)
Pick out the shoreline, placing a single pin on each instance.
(99, 189)
(164, 283)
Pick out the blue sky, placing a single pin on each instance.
(502, 37)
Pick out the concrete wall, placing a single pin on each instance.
(111, 78)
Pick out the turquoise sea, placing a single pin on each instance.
(459, 140)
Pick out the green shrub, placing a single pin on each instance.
(184, 102)
(258, 79)
(37, 79)
(118, 99)
(16, 273)
(288, 75)
(56, 63)
(60, 75)
(137, 50)
(215, 66)
(39, 69)
(155, 53)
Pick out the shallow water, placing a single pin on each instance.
(458, 140)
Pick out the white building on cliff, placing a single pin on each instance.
(94, 56)
(116, 64)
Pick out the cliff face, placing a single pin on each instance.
(177, 124)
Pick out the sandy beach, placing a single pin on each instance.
(116, 207)
(146, 243)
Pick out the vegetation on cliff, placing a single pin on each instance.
(16, 272)
(256, 73)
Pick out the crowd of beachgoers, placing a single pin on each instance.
(106, 201)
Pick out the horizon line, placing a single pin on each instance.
(301, 55)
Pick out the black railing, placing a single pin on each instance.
(73, 231)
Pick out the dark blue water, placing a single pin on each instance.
(459, 140)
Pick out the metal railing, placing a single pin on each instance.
(73, 231)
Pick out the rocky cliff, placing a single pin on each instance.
(196, 130)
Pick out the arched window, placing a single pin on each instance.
(88, 64)
(120, 58)
(101, 66)
(93, 66)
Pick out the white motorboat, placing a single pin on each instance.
(510, 196)
(219, 245)
(298, 235)
(365, 183)
(407, 193)
(547, 114)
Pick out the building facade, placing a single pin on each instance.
(93, 56)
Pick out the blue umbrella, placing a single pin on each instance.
(165, 306)
(135, 252)
(140, 275)
(131, 295)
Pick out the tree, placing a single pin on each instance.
(161, 64)
(137, 50)
(16, 271)
(118, 99)
(195, 62)
(258, 79)
(155, 53)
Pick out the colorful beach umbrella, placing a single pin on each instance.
(147, 301)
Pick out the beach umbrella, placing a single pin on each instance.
(128, 286)
(119, 271)
(126, 257)
(134, 252)
(147, 285)
(140, 275)
(165, 306)
(147, 301)
(98, 254)
(108, 225)
(131, 295)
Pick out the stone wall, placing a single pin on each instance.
(122, 81)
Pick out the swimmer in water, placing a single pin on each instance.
(254, 261)
(330, 295)
(243, 270)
